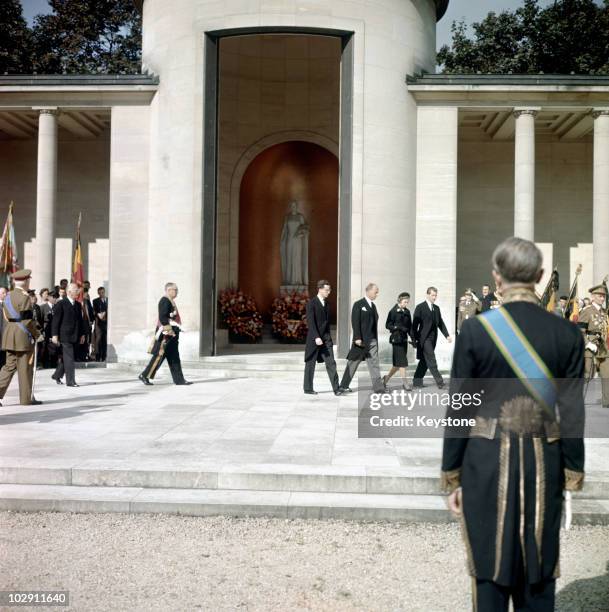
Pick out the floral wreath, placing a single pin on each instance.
(240, 313)
(289, 315)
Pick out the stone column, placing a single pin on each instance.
(600, 195)
(524, 173)
(436, 214)
(46, 196)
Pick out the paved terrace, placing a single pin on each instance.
(239, 446)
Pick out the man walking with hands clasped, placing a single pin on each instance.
(319, 346)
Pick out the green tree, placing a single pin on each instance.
(88, 36)
(568, 36)
(15, 39)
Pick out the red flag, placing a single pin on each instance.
(78, 273)
(8, 250)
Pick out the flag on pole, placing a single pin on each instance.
(8, 250)
(548, 298)
(78, 274)
(572, 308)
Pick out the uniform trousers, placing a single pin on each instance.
(603, 371)
(18, 361)
(161, 351)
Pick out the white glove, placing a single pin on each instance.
(592, 347)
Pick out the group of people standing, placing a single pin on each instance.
(421, 330)
(63, 328)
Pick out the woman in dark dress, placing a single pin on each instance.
(399, 323)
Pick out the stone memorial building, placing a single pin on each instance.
(249, 109)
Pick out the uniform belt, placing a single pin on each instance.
(487, 428)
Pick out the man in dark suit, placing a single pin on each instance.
(364, 322)
(50, 350)
(100, 337)
(426, 322)
(166, 339)
(506, 471)
(487, 298)
(319, 347)
(67, 329)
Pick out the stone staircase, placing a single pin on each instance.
(283, 491)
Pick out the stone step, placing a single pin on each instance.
(279, 504)
(413, 480)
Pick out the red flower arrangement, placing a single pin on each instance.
(240, 314)
(289, 316)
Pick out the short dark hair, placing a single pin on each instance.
(63, 280)
(430, 289)
(403, 295)
(100, 289)
(54, 294)
(32, 292)
(486, 285)
(322, 283)
(563, 297)
(43, 290)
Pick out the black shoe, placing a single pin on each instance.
(73, 385)
(338, 392)
(416, 385)
(441, 385)
(184, 382)
(57, 380)
(35, 403)
(345, 390)
(144, 380)
(311, 392)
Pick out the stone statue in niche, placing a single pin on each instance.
(294, 248)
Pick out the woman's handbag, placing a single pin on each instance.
(398, 337)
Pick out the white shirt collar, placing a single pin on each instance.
(429, 304)
(323, 302)
(70, 300)
(368, 300)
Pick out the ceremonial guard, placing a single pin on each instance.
(19, 338)
(319, 347)
(166, 338)
(593, 321)
(505, 472)
(469, 306)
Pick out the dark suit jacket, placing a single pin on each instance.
(318, 326)
(478, 362)
(364, 322)
(99, 306)
(67, 321)
(425, 325)
(485, 302)
(1, 324)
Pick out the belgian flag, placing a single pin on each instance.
(78, 273)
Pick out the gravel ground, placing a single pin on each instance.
(159, 562)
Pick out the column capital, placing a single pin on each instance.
(519, 111)
(46, 110)
(600, 112)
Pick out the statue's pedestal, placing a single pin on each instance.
(284, 289)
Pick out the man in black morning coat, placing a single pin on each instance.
(364, 322)
(67, 328)
(319, 346)
(505, 475)
(426, 322)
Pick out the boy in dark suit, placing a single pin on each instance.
(319, 346)
(364, 321)
(426, 322)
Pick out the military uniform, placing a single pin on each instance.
(593, 320)
(468, 308)
(165, 344)
(19, 336)
(514, 463)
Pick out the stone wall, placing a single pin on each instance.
(83, 185)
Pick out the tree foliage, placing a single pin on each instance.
(15, 39)
(568, 36)
(77, 37)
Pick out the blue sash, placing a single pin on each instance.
(520, 355)
(15, 315)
